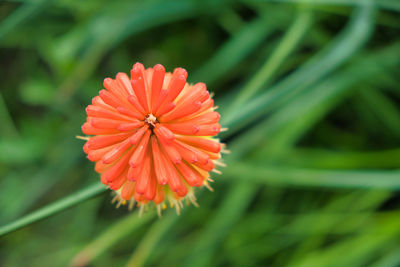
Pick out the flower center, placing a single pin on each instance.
(151, 120)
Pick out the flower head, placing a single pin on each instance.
(151, 136)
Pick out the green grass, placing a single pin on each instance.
(309, 90)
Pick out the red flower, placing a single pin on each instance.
(152, 136)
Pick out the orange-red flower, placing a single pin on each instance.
(151, 136)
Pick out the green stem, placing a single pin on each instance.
(51, 209)
(286, 46)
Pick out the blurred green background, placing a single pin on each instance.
(309, 89)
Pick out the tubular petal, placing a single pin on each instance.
(116, 152)
(135, 138)
(157, 83)
(164, 133)
(125, 82)
(100, 112)
(202, 143)
(130, 126)
(88, 129)
(96, 155)
(158, 162)
(104, 123)
(103, 179)
(205, 118)
(213, 156)
(112, 173)
(102, 141)
(143, 181)
(134, 173)
(166, 108)
(181, 128)
(135, 102)
(207, 167)
(100, 167)
(181, 111)
(198, 92)
(127, 190)
(206, 105)
(137, 70)
(111, 99)
(176, 85)
(139, 198)
(140, 150)
(139, 88)
(161, 97)
(97, 101)
(201, 157)
(86, 147)
(160, 195)
(209, 129)
(151, 188)
(187, 154)
(112, 86)
(174, 180)
(130, 113)
(148, 77)
(191, 176)
(171, 152)
(118, 182)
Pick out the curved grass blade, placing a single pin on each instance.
(288, 43)
(234, 50)
(53, 208)
(110, 236)
(149, 241)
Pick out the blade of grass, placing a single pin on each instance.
(120, 229)
(26, 11)
(383, 108)
(390, 259)
(286, 175)
(53, 208)
(149, 242)
(317, 158)
(288, 43)
(234, 50)
(386, 4)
